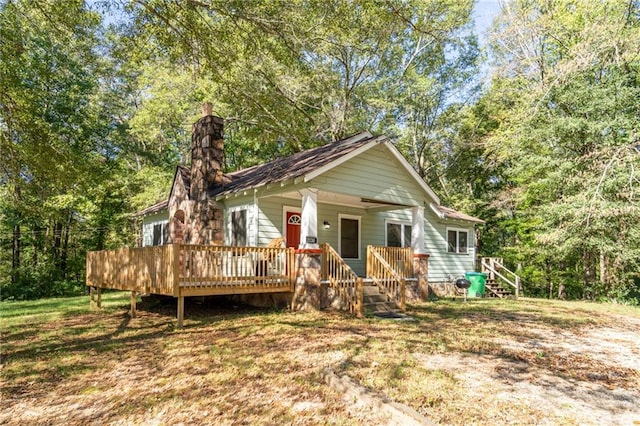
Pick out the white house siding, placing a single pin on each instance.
(377, 174)
(148, 222)
(444, 266)
(270, 218)
(373, 174)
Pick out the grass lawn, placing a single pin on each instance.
(482, 362)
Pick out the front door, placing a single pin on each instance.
(293, 229)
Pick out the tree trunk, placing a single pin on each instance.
(15, 251)
(34, 255)
(588, 275)
(603, 271)
(57, 242)
(65, 247)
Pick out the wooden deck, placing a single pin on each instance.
(181, 270)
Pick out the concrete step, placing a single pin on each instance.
(380, 307)
(370, 290)
(375, 298)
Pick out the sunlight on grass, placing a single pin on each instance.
(17, 313)
(264, 366)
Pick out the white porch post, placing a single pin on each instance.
(309, 225)
(417, 229)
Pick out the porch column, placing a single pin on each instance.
(420, 259)
(417, 229)
(309, 225)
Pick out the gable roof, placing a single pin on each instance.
(291, 167)
(312, 163)
(157, 207)
(308, 165)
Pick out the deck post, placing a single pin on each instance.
(180, 311)
(359, 298)
(133, 303)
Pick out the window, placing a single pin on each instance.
(160, 234)
(398, 235)
(457, 240)
(239, 228)
(349, 237)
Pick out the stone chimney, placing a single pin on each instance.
(207, 157)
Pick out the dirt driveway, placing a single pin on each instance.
(547, 372)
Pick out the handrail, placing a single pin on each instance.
(343, 279)
(381, 272)
(490, 267)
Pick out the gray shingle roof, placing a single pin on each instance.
(292, 167)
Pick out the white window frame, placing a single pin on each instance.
(457, 231)
(230, 211)
(402, 231)
(359, 220)
(164, 232)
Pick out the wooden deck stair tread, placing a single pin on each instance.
(496, 290)
(376, 301)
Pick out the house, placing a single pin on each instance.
(346, 211)
(350, 193)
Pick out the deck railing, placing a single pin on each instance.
(142, 269)
(232, 270)
(343, 279)
(190, 270)
(400, 259)
(388, 267)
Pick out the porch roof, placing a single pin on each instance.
(447, 213)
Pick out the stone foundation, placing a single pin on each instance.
(442, 289)
(330, 299)
(413, 292)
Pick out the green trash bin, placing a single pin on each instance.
(478, 281)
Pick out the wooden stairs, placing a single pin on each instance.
(375, 300)
(493, 289)
(501, 282)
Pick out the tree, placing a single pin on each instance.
(54, 138)
(290, 75)
(568, 141)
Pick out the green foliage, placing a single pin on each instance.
(566, 142)
(290, 75)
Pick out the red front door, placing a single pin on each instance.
(293, 229)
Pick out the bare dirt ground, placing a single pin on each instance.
(483, 362)
(604, 389)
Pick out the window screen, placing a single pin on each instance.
(349, 238)
(239, 228)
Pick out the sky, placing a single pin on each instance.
(483, 14)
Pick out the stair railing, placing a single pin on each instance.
(385, 276)
(343, 279)
(492, 265)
